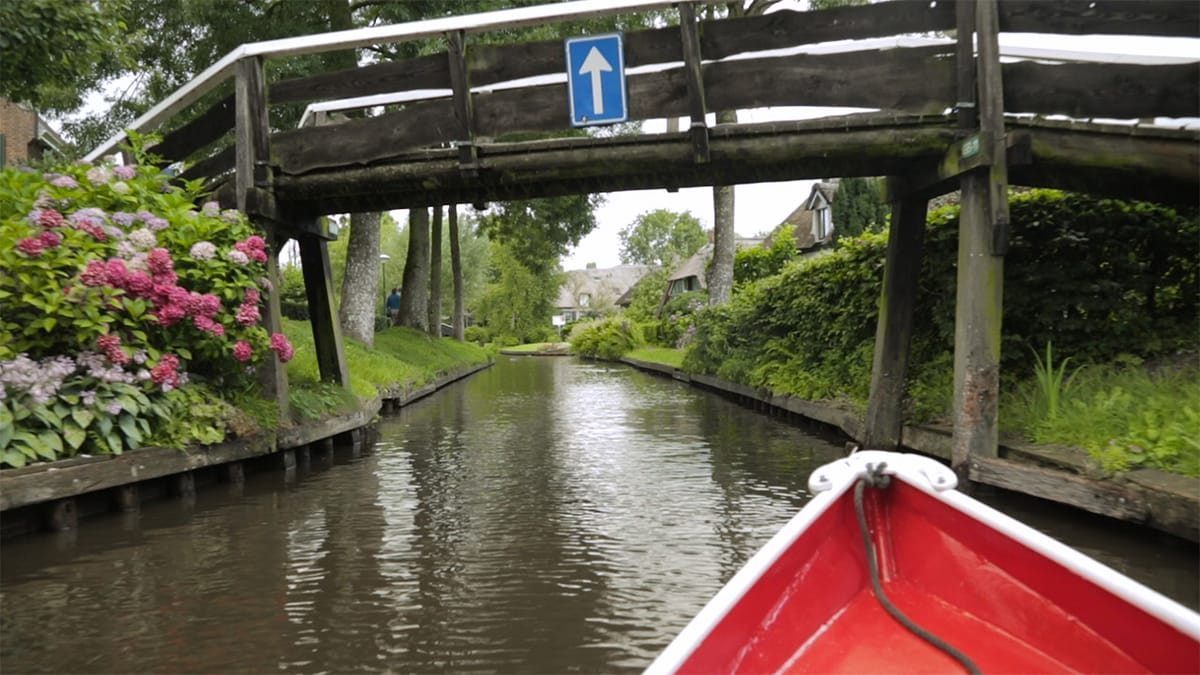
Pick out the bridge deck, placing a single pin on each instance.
(1142, 162)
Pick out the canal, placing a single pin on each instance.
(544, 516)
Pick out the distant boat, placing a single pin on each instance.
(999, 596)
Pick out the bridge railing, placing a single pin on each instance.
(737, 64)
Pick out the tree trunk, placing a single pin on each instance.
(414, 297)
(356, 314)
(720, 282)
(460, 317)
(435, 274)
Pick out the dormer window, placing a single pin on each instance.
(822, 224)
(585, 299)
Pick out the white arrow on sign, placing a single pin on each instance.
(594, 64)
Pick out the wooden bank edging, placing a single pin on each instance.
(1160, 500)
(48, 482)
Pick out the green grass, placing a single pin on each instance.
(535, 347)
(664, 355)
(401, 356)
(1124, 416)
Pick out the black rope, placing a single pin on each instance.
(876, 479)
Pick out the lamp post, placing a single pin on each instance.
(383, 260)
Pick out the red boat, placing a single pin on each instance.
(890, 569)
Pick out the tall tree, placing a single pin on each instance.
(435, 273)
(414, 298)
(460, 319)
(538, 231)
(720, 280)
(661, 237)
(720, 275)
(519, 300)
(356, 313)
(859, 206)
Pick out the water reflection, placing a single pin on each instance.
(547, 515)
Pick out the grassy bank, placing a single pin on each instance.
(401, 356)
(539, 348)
(1125, 415)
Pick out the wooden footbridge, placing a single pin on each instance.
(951, 114)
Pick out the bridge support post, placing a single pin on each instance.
(893, 332)
(253, 182)
(982, 241)
(318, 287)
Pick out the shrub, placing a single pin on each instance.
(752, 264)
(605, 339)
(476, 334)
(117, 292)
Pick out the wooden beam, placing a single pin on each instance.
(464, 111)
(893, 331)
(272, 373)
(253, 133)
(991, 121)
(1117, 90)
(917, 80)
(695, 83)
(1164, 18)
(318, 288)
(980, 276)
(1102, 497)
(205, 129)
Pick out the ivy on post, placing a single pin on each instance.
(255, 199)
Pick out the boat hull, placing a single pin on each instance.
(1009, 598)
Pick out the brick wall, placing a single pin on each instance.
(18, 125)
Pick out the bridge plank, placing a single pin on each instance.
(1166, 18)
(204, 129)
(1102, 89)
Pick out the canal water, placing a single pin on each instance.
(544, 516)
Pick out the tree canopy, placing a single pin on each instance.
(661, 237)
(54, 51)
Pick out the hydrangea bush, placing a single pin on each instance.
(115, 291)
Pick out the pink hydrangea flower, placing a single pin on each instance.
(159, 261)
(115, 273)
(238, 257)
(64, 182)
(208, 305)
(282, 347)
(164, 373)
(247, 314)
(242, 351)
(169, 315)
(125, 172)
(31, 246)
(50, 239)
(139, 284)
(49, 218)
(252, 296)
(95, 274)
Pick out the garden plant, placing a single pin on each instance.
(124, 308)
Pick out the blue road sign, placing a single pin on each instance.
(596, 79)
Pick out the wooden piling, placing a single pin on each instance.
(893, 330)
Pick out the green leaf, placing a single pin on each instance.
(50, 445)
(48, 416)
(104, 424)
(115, 446)
(128, 424)
(74, 436)
(83, 417)
(26, 443)
(12, 458)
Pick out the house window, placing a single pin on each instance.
(585, 299)
(822, 224)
